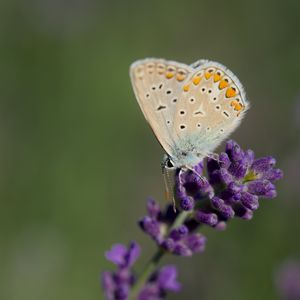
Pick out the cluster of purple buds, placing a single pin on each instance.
(236, 181)
(180, 240)
(230, 186)
(117, 285)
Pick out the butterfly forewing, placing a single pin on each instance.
(157, 85)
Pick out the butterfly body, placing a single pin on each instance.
(190, 108)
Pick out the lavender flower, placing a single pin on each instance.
(117, 285)
(179, 240)
(235, 182)
(161, 282)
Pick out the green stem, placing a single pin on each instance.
(152, 264)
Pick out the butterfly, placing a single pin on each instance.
(190, 108)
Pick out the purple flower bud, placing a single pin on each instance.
(225, 176)
(249, 156)
(262, 188)
(250, 201)
(168, 244)
(212, 165)
(238, 169)
(151, 227)
(224, 160)
(196, 242)
(167, 279)
(235, 153)
(221, 226)
(225, 210)
(153, 208)
(182, 250)
(117, 254)
(209, 219)
(133, 253)
(273, 175)
(178, 233)
(199, 168)
(243, 212)
(108, 285)
(122, 292)
(263, 164)
(150, 292)
(187, 203)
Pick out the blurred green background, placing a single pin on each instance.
(77, 159)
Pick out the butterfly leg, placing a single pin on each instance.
(213, 156)
(202, 178)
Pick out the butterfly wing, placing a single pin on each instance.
(212, 104)
(157, 84)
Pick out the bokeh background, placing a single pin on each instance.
(78, 161)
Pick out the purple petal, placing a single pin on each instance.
(224, 160)
(150, 292)
(196, 242)
(153, 208)
(151, 227)
(225, 210)
(238, 169)
(167, 279)
(168, 244)
(133, 253)
(117, 254)
(250, 201)
(262, 188)
(273, 175)
(182, 249)
(108, 285)
(264, 164)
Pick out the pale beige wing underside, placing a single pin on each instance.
(157, 84)
(211, 107)
(191, 109)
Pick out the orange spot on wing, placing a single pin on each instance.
(186, 87)
(223, 84)
(180, 77)
(217, 77)
(207, 75)
(170, 75)
(231, 92)
(237, 106)
(196, 80)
